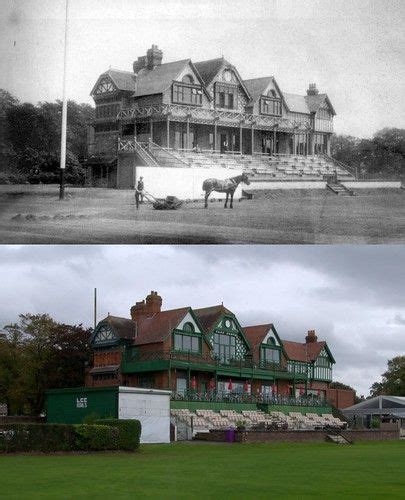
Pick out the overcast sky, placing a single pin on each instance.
(354, 50)
(353, 296)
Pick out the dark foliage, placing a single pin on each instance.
(39, 354)
(129, 432)
(96, 437)
(393, 380)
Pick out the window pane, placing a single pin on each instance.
(178, 341)
(186, 343)
(195, 344)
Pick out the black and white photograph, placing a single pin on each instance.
(272, 122)
(202, 248)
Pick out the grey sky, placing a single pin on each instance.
(353, 296)
(353, 50)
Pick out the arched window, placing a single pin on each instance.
(187, 79)
(188, 327)
(271, 341)
(272, 93)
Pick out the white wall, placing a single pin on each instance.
(151, 407)
(185, 183)
(286, 185)
(372, 184)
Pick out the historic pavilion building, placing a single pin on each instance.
(207, 106)
(206, 351)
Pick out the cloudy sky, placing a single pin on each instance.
(354, 51)
(353, 296)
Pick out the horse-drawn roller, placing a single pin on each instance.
(168, 203)
(227, 186)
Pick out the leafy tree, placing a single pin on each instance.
(393, 380)
(37, 354)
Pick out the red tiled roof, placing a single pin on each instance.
(208, 316)
(158, 327)
(256, 334)
(297, 351)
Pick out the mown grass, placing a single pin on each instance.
(223, 471)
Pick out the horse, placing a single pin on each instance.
(227, 186)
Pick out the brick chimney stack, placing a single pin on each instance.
(154, 57)
(148, 307)
(312, 90)
(311, 337)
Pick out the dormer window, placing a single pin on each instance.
(225, 95)
(271, 93)
(188, 327)
(270, 106)
(187, 92)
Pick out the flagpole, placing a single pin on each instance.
(64, 115)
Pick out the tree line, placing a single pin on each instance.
(38, 353)
(30, 140)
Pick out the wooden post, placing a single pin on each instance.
(151, 129)
(215, 135)
(253, 138)
(274, 140)
(167, 131)
(135, 129)
(188, 133)
(240, 138)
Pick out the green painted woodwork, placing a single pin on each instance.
(205, 405)
(72, 406)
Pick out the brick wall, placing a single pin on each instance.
(297, 436)
(341, 398)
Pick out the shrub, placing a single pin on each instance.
(37, 437)
(96, 437)
(129, 432)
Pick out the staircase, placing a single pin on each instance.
(337, 439)
(339, 189)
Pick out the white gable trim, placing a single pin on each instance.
(188, 318)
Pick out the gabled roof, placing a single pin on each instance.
(209, 69)
(158, 79)
(296, 103)
(158, 327)
(124, 328)
(305, 352)
(257, 86)
(209, 316)
(256, 334)
(315, 101)
(123, 80)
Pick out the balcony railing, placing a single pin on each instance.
(196, 358)
(238, 397)
(178, 112)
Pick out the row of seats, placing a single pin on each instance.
(204, 420)
(263, 166)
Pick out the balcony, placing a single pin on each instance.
(135, 361)
(181, 113)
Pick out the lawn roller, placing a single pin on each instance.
(168, 203)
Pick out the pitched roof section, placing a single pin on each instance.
(256, 334)
(314, 102)
(158, 79)
(209, 316)
(257, 86)
(123, 327)
(124, 80)
(208, 69)
(156, 328)
(297, 351)
(296, 103)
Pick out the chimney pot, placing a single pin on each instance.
(311, 337)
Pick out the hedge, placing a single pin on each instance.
(66, 437)
(129, 432)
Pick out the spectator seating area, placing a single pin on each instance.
(205, 420)
(258, 166)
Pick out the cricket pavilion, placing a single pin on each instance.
(197, 118)
(205, 355)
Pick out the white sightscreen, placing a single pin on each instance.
(152, 410)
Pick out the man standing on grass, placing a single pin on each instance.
(139, 192)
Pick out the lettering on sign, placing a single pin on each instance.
(81, 402)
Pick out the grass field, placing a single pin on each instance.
(221, 471)
(33, 214)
